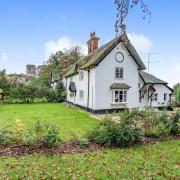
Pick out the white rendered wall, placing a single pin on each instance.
(83, 85)
(92, 86)
(161, 89)
(105, 77)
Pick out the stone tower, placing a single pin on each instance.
(31, 70)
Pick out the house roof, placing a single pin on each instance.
(97, 56)
(119, 86)
(148, 78)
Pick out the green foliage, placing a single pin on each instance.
(51, 138)
(37, 135)
(161, 124)
(84, 142)
(121, 134)
(5, 85)
(56, 61)
(27, 93)
(50, 95)
(157, 131)
(60, 92)
(159, 127)
(42, 134)
(133, 124)
(176, 95)
(175, 124)
(7, 137)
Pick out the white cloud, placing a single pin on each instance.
(4, 56)
(142, 43)
(62, 43)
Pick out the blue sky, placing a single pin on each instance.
(32, 29)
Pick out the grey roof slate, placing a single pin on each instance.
(119, 86)
(97, 56)
(148, 78)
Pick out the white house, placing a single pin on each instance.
(112, 77)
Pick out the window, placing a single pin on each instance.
(120, 96)
(81, 94)
(165, 96)
(81, 75)
(119, 73)
(155, 97)
(139, 85)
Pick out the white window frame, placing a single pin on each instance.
(155, 97)
(119, 73)
(81, 76)
(120, 96)
(81, 94)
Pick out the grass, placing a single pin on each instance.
(160, 161)
(71, 121)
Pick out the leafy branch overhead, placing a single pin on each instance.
(123, 7)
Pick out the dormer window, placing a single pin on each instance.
(81, 75)
(119, 73)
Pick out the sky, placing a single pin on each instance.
(31, 30)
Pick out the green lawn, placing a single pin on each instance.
(160, 161)
(71, 121)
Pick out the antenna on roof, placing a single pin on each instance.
(149, 60)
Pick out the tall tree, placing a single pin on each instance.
(123, 7)
(4, 84)
(56, 62)
(176, 94)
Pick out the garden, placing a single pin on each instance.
(55, 141)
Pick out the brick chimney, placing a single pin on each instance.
(65, 65)
(92, 43)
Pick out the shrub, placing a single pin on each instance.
(41, 134)
(156, 125)
(122, 134)
(51, 138)
(175, 124)
(157, 131)
(84, 142)
(7, 137)
(60, 92)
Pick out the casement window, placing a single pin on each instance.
(81, 75)
(119, 96)
(165, 96)
(119, 73)
(81, 94)
(155, 97)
